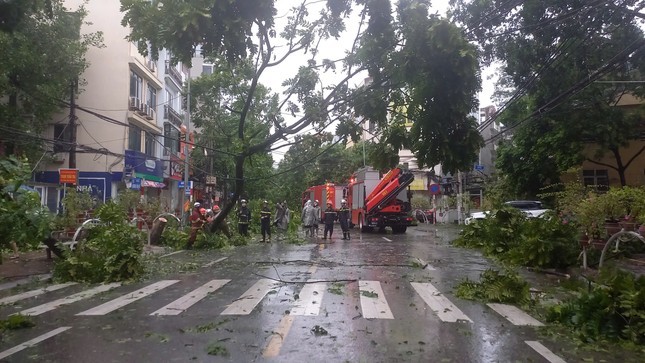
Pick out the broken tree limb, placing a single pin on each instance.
(157, 229)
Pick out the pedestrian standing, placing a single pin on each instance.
(243, 218)
(308, 218)
(265, 221)
(197, 220)
(329, 218)
(279, 219)
(344, 218)
(317, 217)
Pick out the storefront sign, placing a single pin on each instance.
(135, 183)
(143, 166)
(68, 176)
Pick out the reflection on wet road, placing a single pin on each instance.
(365, 300)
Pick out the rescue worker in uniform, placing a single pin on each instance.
(344, 218)
(265, 221)
(243, 218)
(223, 225)
(329, 217)
(197, 220)
(317, 217)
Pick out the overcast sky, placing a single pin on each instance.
(335, 49)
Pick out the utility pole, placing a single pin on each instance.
(459, 198)
(186, 146)
(72, 126)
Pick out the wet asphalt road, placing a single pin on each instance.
(339, 318)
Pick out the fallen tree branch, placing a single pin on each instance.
(303, 282)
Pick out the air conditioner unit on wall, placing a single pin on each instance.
(58, 158)
(143, 109)
(135, 103)
(150, 115)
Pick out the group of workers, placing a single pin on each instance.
(312, 216)
(200, 217)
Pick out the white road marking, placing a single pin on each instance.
(12, 284)
(180, 305)
(445, 310)
(310, 298)
(214, 262)
(124, 300)
(172, 253)
(32, 342)
(247, 302)
(545, 352)
(515, 315)
(387, 239)
(373, 306)
(41, 309)
(277, 339)
(32, 293)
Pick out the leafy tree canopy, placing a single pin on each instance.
(559, 63)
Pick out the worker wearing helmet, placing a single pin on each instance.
(344, 217)
(243, 218)
(328, 219)
(265, 221)
(197, 220)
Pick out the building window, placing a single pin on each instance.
(171, 139)
(150, 144)
(62, 136)
(207, 69)
(134, 138)
(136, 85)
(598, 178)
(152, 97)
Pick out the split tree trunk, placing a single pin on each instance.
(157, 229)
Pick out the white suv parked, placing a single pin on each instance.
(532, 208)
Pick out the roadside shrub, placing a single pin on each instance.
(174, 237)
(614, 310)
(207, 241)
(111, 252)
(493, 286)
(506, 234)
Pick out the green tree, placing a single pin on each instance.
(42, 56)
(559, 63)
(422, 69)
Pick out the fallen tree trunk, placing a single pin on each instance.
(157, 229)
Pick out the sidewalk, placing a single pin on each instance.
(27, 264)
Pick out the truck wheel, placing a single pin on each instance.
(399, 229)
(362, 226)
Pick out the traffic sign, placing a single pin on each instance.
(68, 176)
(435, 189)
(479, 167)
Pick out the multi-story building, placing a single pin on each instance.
(128, 119)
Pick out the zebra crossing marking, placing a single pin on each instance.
(514, 315)
(544, 351)
(214, 262)
(124, 300)
(26, 295)
(180, 305)
(247, 302)
(32, 342)
(445, 310)
(373, 302)
(41, 309)
(387, 239)
(310, 298)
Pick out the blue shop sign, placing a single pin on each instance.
(135, 183)
(144, 166)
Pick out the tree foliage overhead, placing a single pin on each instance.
(559, 62)
(42, 54)
(420, 65)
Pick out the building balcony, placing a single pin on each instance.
(174, 74)
(172, 116)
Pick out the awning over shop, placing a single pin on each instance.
(152, 184)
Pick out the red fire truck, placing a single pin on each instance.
(324, 193)
(379, 203)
